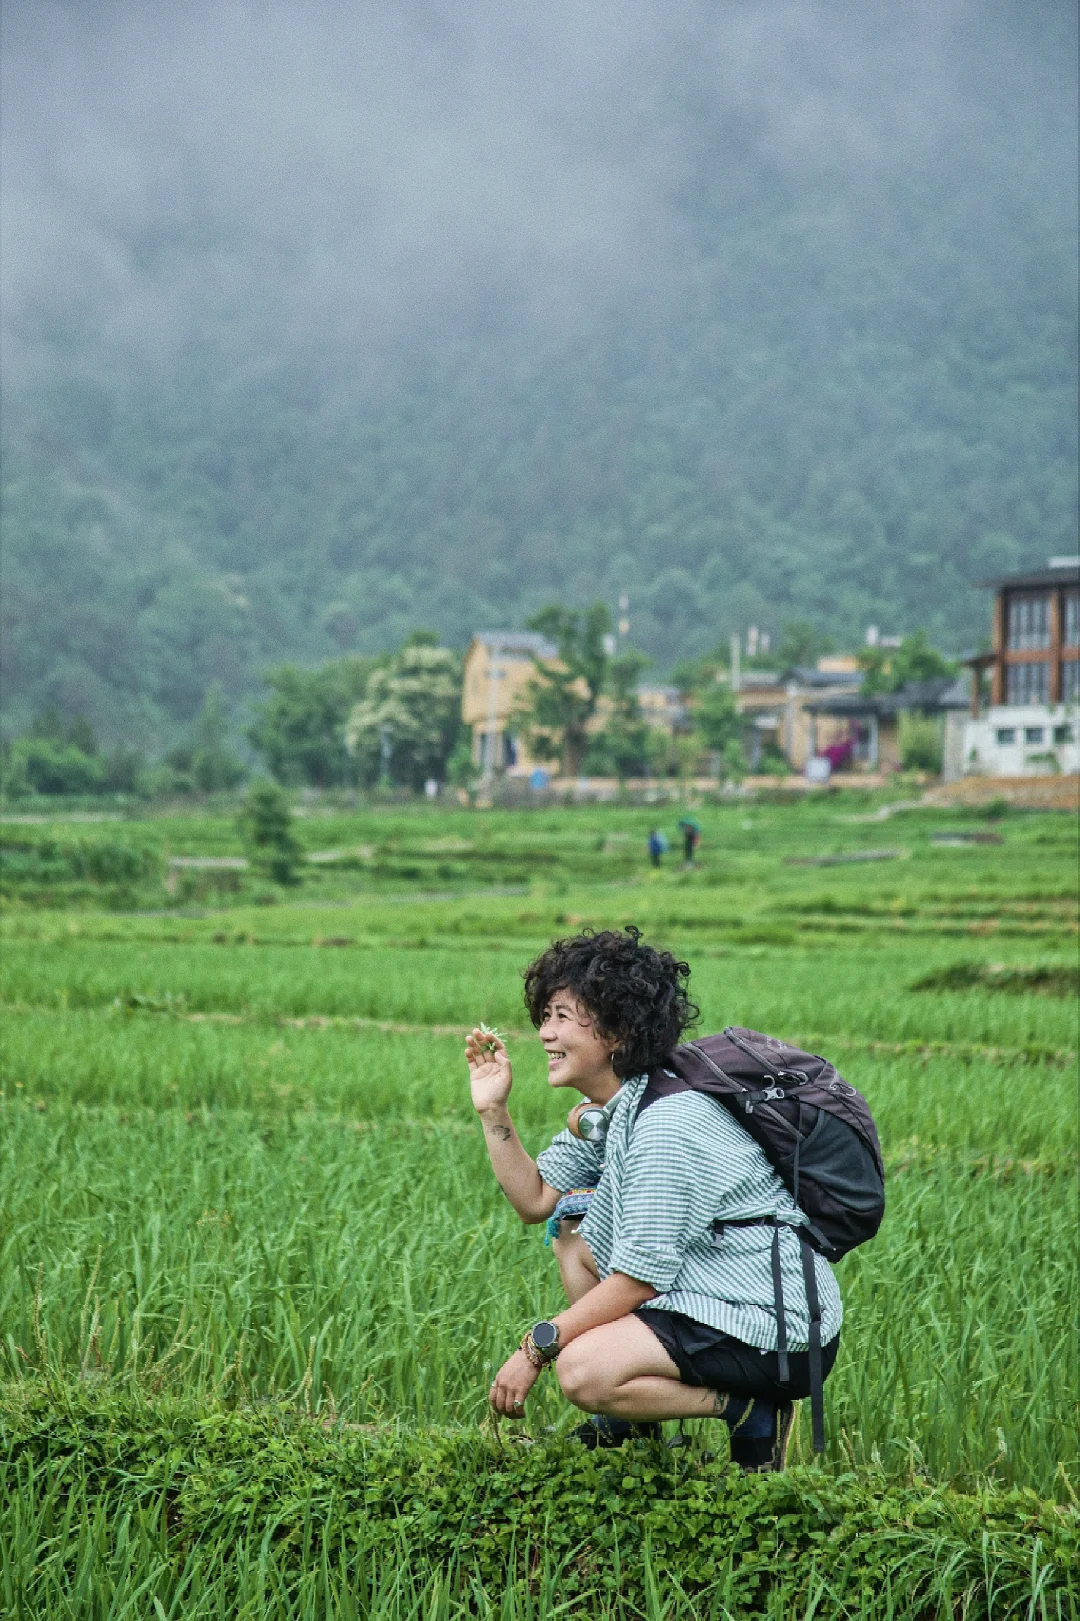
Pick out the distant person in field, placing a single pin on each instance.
(664, 1321)
(691, 838)
(657, 845)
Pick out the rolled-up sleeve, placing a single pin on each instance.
(667, 1199)
(569, 1163)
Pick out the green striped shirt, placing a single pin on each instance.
(661, 1181)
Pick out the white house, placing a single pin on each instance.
(1033, 719)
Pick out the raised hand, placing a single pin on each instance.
(489, 1070)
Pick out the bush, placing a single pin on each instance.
(265, 822)
(461, 769)
(37, 862)
(920, 742)
(456, 1501)
(46, 765)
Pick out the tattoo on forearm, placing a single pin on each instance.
(719, 1403)
(503, 1133)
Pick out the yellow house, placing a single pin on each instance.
(663, 708)
(498, 666)
(778, 707)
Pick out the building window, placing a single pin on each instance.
(1029, 623)
(1006, 735)
(1070, 681)
(1027, 683)
(1033, 734)
(1063, 734)
(1071, 619)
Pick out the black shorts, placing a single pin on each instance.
(705, 1356)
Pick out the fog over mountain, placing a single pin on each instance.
(324, 321)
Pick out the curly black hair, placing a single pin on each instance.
(636, 994)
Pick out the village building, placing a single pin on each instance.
(777, 707)
(864, 731)
(663, 708)
(1033, 675)
(498, 668)
(499, 665)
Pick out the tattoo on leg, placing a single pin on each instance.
(719, 1403)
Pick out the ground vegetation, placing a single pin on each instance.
(245, 1210)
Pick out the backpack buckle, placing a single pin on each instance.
(772, 1092)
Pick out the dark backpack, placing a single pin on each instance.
(816, 1131)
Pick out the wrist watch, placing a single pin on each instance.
(545, 1336)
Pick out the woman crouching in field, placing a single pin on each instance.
(665, 1319)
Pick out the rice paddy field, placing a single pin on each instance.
(255, 1273)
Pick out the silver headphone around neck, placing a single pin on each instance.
(593, 1123)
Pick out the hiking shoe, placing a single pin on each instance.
(599, 1430)
(763, 1454)
(785, 1421)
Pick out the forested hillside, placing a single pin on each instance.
(838, 391)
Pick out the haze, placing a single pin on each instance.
(467, 225)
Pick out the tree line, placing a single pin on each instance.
(394, 720)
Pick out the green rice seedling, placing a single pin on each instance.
(380, 1267)
(238, 1165)
(1004, 1107)
(784, 992)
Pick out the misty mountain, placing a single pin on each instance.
(322, 324)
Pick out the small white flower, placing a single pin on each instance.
(496, 1036)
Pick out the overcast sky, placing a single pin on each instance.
(328, 177)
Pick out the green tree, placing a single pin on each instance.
(733, 760)
(562, 696)
(300, 729)
(406, 725)
(888, 669)
(801, 642)
(265, 823)
(213, 764)
(625, 745)
(716, 716)
(125, 771)
(57, 756)
(461, 769)
(920, 740)
(46, 765)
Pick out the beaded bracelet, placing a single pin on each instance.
(529, 1346)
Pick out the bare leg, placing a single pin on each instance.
(622, 1369)
(576, 1265)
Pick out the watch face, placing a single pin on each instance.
(545, 1335)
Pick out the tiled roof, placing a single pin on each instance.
(943, 692)
(528, 642)
(1037, 579)
(808, 676)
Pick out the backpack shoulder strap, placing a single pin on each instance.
(663, 1083)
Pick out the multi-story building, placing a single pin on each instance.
(1034, 676)
(498, 668)
(499, 665)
